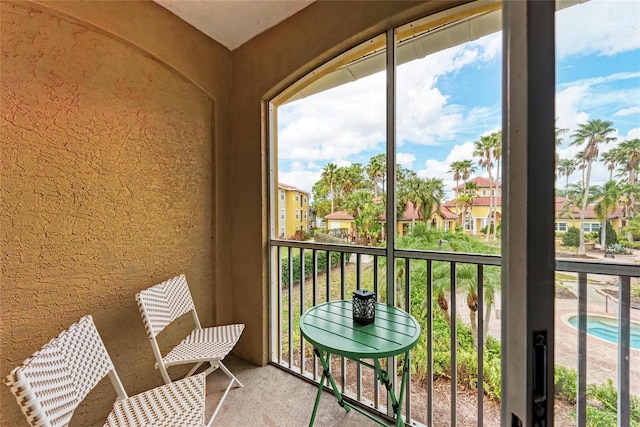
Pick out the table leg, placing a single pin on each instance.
(405, 375)
(325, 360)
(383, 377)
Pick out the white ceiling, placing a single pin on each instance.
(233, 22)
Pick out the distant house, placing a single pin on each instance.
(339, 220)
(479, 210)
(569, 216)
(293, 210)
(442, 219)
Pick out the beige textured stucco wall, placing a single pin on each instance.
(108, 163)
(261, 69)
(126, 157)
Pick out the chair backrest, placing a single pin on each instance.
(165, 302)
(54, 380)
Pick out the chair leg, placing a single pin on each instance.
(224, 396)
(229, 374)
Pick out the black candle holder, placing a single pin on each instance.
(364, 307)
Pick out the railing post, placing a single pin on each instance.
(581, 398)
(624, 343)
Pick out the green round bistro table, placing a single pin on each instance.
(330, 328)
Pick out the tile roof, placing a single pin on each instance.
(477, 201)
(291, 188)
(339, 215)
(481, 182)
(588, 214)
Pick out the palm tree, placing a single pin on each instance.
(573, 197)
(484, 149)
(606, 198)
(424, 194)
(558, 131)
(376, 170)
(456, 169)
(356, 204)
(591, 135)
(329, 175)
(465, 200)
(441, 286)
(565, 168)
(628, 155)
(433, 193)
(467, 279)
(411, 191)
(464, 168)
(610, 159)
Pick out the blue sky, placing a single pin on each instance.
(449, 99)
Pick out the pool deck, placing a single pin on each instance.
(602, 356)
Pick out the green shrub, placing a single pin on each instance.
(566, 383)
(327, 238)
(571, 237)
(484, 229)
(605, 409)
(308, 265)
(592, 235)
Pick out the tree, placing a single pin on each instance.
(628, 156)
(329, 175)
(467, 277)
(633, 227)
(558, 131)
(349, 179)
(606, 199)
(465, 200)
(590, 135)
(456, 169)
(610, 159)
(424, 194)
(565, 168)
(356, 204)
(376, 169)
(484, 150)
(462, 170)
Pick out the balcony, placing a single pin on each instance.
(433, 397)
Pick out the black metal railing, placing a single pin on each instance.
(310, 273)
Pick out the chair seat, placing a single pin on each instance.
(205, 344)
(179, 404)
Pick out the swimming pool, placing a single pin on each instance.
(607, 329)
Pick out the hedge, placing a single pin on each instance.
(321, 265)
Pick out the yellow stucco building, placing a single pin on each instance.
(293, 210)
(485, 193)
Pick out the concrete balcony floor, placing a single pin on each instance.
(272, 397)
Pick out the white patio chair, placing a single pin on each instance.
(160, 305)
(50, 385)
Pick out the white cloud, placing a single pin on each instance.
(598, 26)
(406, 159)
(424, 114)
(437, 169)
(627, 111)
(632, 134)
(338, 124)
(333, 125)
(301, 176)
(581, 100)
